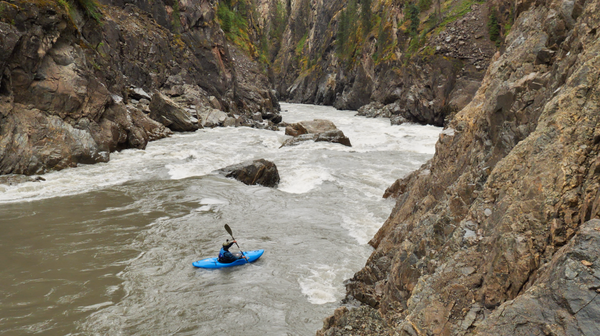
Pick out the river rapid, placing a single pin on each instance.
(107, 249)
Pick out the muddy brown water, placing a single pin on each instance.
(107, 249)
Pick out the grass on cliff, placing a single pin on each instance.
(456, 13)
(90, 8)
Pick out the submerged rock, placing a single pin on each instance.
(14, 179)
(261, 172)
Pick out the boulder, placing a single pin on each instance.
(335, 136)
(164, 110)
(316, 130)
(310, 127)
(261, 172)
(210, 117)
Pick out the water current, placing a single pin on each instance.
(107, 249)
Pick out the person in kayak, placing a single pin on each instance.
(227, 257)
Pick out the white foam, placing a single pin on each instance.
(202, 152)
(361, 226)
(213, 201)
(95, 306)
(319, 286)
(303, 180)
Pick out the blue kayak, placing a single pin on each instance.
(252, 256)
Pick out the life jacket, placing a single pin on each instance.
(226, 257)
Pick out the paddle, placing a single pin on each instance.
(231, 234)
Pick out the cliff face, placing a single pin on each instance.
(496, 234)
(348, 55)
(77, 77)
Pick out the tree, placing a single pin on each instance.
(365, 15)
(342, 33)
(413, 15)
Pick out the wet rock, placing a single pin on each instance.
(261, 172)
(316, 130)
(14, 179)
(310, 127)
(334, 136)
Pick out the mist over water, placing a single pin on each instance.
(107, 248)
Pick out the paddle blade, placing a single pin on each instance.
(228, 230)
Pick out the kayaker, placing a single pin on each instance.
(227, 257)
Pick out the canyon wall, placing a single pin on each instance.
(77, 78)
(424, 67)
(498, 233)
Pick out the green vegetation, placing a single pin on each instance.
(233, 18)
(494, 27)
(456, 13)
(384, 47)
(176, 17)
(413, 16)
(424, 5)
(90, 8)
(353, 27)
(366, 16)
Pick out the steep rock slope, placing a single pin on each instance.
(493, 236)
(76, 77)
(424, 59)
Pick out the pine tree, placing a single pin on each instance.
(365, 15)
(342, 33)
(413, 15)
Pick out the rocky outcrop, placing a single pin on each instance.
(493, 236)
(76, 83)
(565, 299)
(261, 172)
(316, 130)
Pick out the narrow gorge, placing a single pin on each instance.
(497, 234)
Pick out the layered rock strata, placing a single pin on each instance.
(77, 83)
(495, 235)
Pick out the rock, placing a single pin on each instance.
(298, 139)
(554, 300)
(316, 130)
(261, 172)
(170, 114)
(14, 179)
(310, 127)
(214, 102)
(398, 120)
(497, 234)
(210, 117)
(334, 136)
(229, 122)
(139, 94)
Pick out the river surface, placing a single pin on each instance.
(107, 249)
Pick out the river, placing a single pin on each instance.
(107, 249)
